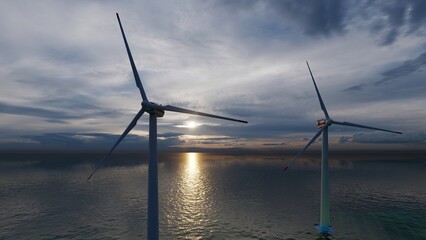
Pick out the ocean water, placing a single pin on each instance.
(205, 196)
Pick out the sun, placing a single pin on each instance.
(191, 124)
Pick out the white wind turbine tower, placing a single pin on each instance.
(324, 227)
(154, 110)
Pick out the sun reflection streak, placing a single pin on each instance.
(192, 168)
(192, 184)
(193, 201)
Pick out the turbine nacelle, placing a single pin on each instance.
(153, 108)
(324, 122)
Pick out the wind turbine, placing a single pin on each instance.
(154, 110)
(324, 227)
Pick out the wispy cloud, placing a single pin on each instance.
(404, 69)
(60, 116)
(384, 138)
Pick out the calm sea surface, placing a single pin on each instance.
(206, 196)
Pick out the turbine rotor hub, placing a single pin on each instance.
(153, 108)
(324, 122)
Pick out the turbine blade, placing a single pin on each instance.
(318, 93)
(362, 126)
(182, 110)
(132, 63)
(130, 127)
(303, 150)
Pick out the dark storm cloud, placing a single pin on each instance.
(386, 19)
(395, 13)
(103, 141)
(344, 139)
(354, 88)
(78, 102)
(34, 112)
(272, 109)
(380, 137)
(265, 129)
(265, 121)
(55, 116)
(55, 121)
(411, 13)
(405, 68)
(322, 17)
(389, 37)
(167, 140)
(169, 134)
(74, 141)
(417, 14)
(61, 139)
(55, 96)
(85, 141)
(274, 144)
(398, 73)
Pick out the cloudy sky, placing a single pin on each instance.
(66, 81)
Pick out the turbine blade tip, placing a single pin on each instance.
(285, 169)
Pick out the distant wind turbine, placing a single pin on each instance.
(324, 227)
(154, 110)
